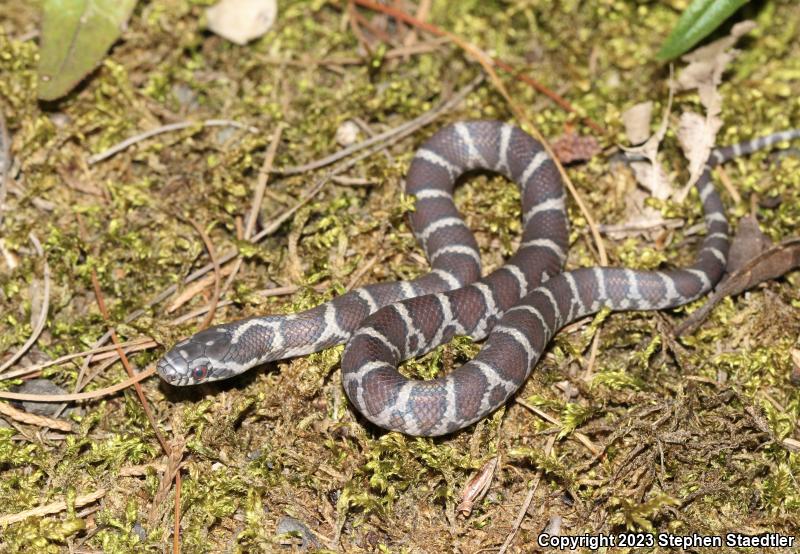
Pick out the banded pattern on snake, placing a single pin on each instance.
(518, 307)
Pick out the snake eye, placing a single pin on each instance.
(200, 372)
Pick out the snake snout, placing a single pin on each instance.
(170, 373)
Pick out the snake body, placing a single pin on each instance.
(517, 308)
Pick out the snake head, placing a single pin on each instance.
(198, 359)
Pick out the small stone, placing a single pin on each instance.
(347, 133)
(296, 528)
(41, 386)
(139, 531)
(241, 21)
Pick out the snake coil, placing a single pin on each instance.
(517, 308)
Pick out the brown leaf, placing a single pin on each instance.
(697, 135)
(770, 264)
(707, 64)
(637, 122)
(748, 243)
(571, 147)
(795, 376)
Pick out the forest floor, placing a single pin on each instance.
(650, 433)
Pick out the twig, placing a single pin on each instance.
(79, 395)
(212, 306)
(174, 458)
(587, 372)
(481, 57)
(400, 130)
(258, 198)
(726, 182)
(176, 530)
(196, 288)
(119, 147)
(33, 419)
(354, 21)
(586, 441)
(52, 508)
(673, 223)
(263, 179)
(526, 503)
(100, 368)
(5, 161)
(399, 52)
(139, 392)
(423, 10)
(100, 354)
(42, 319)
(196, 313)
(361, 272)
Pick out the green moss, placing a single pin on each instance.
(702, 416)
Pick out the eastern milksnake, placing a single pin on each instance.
(517, 308)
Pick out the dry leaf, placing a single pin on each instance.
(697, 134)
(241, 21)
(649, 173)
(748, 243)
(637, 122)
(770, 264)
(707, 64)
(655, 180)
(571, 147)
(477, 487)
(795, 375)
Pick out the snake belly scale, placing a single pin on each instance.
(517, 308)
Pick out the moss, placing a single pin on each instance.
(691, 429)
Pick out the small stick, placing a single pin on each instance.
(526, 503)
(33, 419)
(79, 395)
(139, 392)
(42, 319)
(176, 530)
(196, 288)
(673, 223)
(586, 441)
(258, 198)
(414, 124)
(5, 162)
(726, 182)
(196, 313)
(104, 353)
(361, 272)
(52, 508)
(263, 179)
(119, 147)
(212, 306)
(479, 56)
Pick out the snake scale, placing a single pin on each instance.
(517, 308)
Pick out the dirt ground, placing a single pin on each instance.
(645, 432)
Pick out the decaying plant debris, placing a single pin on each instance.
(682, 434)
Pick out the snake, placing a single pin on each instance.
(517, 308)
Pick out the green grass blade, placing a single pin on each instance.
(696, 23)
